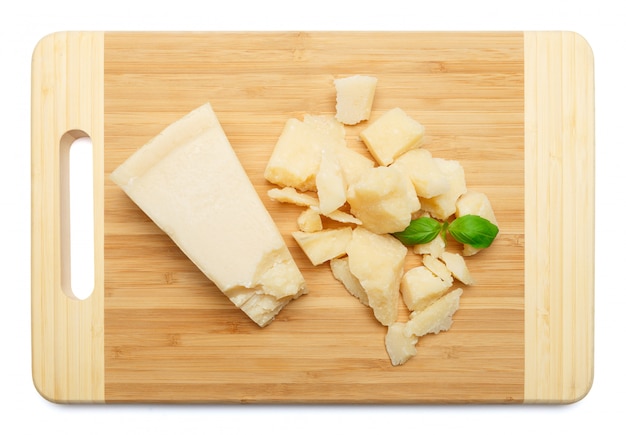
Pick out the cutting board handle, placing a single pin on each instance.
(76, 214)
(67, 104)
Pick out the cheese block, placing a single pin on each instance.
(189, 181)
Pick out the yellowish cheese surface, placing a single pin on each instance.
(355, 95)
(189, 181)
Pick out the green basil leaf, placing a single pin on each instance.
(473, 230)
(422, 230)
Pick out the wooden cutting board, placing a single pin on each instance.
(515, 108)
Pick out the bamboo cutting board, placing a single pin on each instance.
(515, 108)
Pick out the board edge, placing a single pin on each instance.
(559, 217)
(67, 100)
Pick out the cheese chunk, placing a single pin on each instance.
(324, 245)
(331, 187)
(444, 205)
(423, 171)
(391, 135)
(436, 247)
(292, 196)
(400, 347)
(189, 181)
(296, 157)
(420, 287)
(377, 261)
(437, 267)
(383, 199)
(353, 164)
(355, 95)
(309, 221)
(436, 317)
(456, 265)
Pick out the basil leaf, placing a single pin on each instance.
(421, 230)
(473, 230)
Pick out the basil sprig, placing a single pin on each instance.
(473, 230)
(470, 229)
(422, 230)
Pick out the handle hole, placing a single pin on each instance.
(77, 214)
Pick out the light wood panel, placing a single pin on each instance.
(67, 103)
(559, 216)
(156, 330)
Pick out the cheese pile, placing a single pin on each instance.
(373, 197)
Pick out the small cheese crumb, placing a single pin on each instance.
(456, 265)
(309, 221)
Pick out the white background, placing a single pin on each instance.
(22, 410)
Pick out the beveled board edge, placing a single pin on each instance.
(67, 102)
(559, 217)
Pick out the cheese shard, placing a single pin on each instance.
(189, 181)
(341, 271)
(436, 317)
(400, 347)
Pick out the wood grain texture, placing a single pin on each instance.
(161, 332)
(173, 337)
(67, 103)
(559, 216)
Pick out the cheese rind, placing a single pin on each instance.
(189, 181)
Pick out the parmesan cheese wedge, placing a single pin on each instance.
(189, 181)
